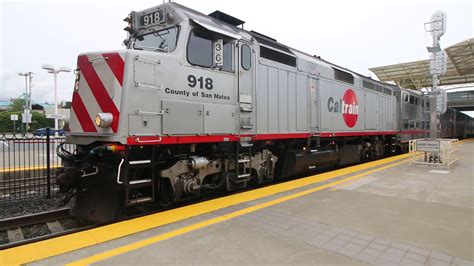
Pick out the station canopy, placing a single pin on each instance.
(416, 75)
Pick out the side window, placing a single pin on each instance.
(412, 99)
(405, 97)
(405, 123)
(199, 48)
(246, 59)
(228, 50)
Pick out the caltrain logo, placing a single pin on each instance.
(348, 106)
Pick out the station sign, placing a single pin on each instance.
(14, 117)
(428, 145)
(55, 116)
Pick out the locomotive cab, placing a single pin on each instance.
(176, 59)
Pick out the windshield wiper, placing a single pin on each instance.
(136, 46)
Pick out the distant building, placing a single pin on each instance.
(4, 106)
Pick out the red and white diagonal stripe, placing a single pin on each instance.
(100, 89)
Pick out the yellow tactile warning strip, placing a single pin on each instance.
(60, 245)
(193, 227)
(27, 168)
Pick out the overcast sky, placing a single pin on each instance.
(354, 34)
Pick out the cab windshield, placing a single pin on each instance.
(158, 41)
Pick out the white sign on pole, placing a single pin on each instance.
(442, 102)
(14, 117)
(428, 145)
(55, 116)
(26, 117)
(438, 63)
(438, 24)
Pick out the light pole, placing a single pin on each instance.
(438, 66)
(55, 71)
(27, 108)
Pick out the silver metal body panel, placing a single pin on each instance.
(269, 98)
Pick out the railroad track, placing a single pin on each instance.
(31, 228)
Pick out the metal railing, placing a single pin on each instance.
(28, 164)
(437, 153)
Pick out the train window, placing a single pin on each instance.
(412, 99)
(276, 56)
(159, 41)
(200, 48)
(412, 124)
(427, 124)
(423, 125)
(387, 91)
(246, 57)
(405, 123)
(343, 76)
(368, 85)
(405, 97)
(228, 48)
(378, 88)
(417, 101)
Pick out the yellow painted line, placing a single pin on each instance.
(27, 168)
(53, 247)
(143, 243)
(466, 140)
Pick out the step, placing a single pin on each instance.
(246, 144)
(244, 160)
(139, 162)
(141, 181)
(139, 200)
(243, 176)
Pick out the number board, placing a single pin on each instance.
(152, 18)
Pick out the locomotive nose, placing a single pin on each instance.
(97, 93)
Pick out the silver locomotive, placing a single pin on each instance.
(196, 104)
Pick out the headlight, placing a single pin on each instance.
(104, 120)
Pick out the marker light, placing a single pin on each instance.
(104, 120)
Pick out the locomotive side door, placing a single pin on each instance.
(246, 77)
(313, 88)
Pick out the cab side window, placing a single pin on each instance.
(200, 50)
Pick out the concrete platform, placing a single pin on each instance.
(386, 214)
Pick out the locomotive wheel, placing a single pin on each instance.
(165, 193)
(231, 185)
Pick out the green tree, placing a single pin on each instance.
(17, 105)
(38, 120)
